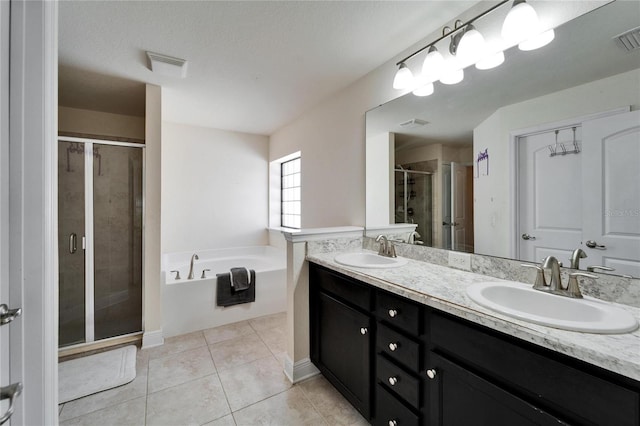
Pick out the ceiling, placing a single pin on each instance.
(252, 66)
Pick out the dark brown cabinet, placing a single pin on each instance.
(416, 365)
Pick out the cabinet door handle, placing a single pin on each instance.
(431, 373)
(363, 330)
(393, 313)
(393, 347)
(393, 381)
(393, 423)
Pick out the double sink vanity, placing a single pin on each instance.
(413, 343)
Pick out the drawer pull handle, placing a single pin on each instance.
(393, 347)
(393, 423)
(364, 331)
(393, 381)
(393, 313)
(431, 373)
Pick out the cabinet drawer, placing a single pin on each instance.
(548, 378)
(398, 347)
(390, 411)
(342, 287)
(398, 380)
(400, 312)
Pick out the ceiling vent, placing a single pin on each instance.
(629, 40)
(416, 122)
(167, 65)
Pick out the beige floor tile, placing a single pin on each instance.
(253, 382)
(269, 321)
(287, 408)
(227, 332)
(275, 339)
(130, 413)
(179, 368)
(108, 398)
(330, 403)
(177, 344)
(238, 351)
(224, 421)
(193, 403)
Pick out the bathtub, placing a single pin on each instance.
(190, 305)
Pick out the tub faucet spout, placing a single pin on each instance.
(194, 257)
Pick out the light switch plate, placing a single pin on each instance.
(460, 260)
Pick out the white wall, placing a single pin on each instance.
(380, 180)
(83, 121)
(492, 200)
(214, 188)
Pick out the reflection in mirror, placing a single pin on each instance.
(537, 157)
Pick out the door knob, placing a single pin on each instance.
(364, 331)
(393, 313)
(7, 315)
(393, 423)
(528, 237)
(393, 381)
(393, 347)
(10, 392)
(593, 244)
(431, 373)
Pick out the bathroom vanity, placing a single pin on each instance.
(407, 346)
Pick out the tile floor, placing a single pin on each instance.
(229, 375)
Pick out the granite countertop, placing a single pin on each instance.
(445, 289)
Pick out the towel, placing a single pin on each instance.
(240, 279)
(227, 296)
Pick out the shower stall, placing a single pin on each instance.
(414, 201)
(100, 211)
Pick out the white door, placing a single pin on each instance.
(27, 207)
(611, 202)
(549, 197)
(461, 208)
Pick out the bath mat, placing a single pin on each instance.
(95, 373)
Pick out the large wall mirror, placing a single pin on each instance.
(538, 157)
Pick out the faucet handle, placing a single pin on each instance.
(204, 273)
(540, 283)
(573, 288)
(601, 268)
(177, 274)
(392, 250)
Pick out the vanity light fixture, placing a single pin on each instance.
(521, 26)
(403, 78)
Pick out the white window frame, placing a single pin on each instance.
(275, 190)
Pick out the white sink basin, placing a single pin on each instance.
(369, 260)
(523, 302)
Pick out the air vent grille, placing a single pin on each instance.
(167, 65)
(415, 122)
(629, 40)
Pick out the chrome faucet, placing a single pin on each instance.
(575, 258)
(194, 257)
(412, 237)
(555, 283)
(387, 249)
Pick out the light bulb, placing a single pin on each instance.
(471, 46)
(424, 90)
(520, 24)
(433, 65)
(403, 78)
(491, 61)
(538, 41)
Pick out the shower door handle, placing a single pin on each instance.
(73, 243)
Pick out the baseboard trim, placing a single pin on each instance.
(299, 370)
(152, 338)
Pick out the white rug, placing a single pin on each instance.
(95, 373)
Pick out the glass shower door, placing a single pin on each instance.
(71, 226)
(117, 236)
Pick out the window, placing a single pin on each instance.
(290, 193)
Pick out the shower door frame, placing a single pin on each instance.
(88, 240)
